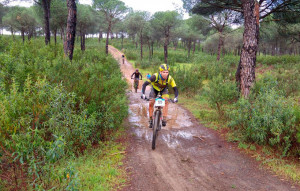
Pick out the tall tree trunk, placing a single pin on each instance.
(175, 44)
(12, 32)
(46, 6)
(149, 46)
(194, 47)
(166, 43)
(189, 46)
(107, 37)
(141, 41)
(122, 41)
(23, 35)
(166, 53)
(55, 31)
(71, 29)
(152, 44)
(250, 46)
(220, 45)
(100, 35)
(82, 41)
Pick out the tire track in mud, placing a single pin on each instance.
(188, 156)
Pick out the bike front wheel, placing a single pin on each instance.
(155, 127)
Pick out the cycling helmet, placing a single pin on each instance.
(164, 67)
(136, 70)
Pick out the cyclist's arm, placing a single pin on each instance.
(141, 76)
(175, 91)
(146, 83)
(132, 74)
(173, 84)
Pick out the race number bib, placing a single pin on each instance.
(159, 102)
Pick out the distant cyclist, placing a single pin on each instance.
(160, 82)
(148, 75)
(123, 58)
(136, 78)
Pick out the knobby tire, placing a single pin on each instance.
(155, 127)
(135, 86)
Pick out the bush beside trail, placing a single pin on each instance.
(52, 109)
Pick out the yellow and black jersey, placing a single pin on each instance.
(159, 84)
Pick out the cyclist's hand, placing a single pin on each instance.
(143, 96)
(175, 100)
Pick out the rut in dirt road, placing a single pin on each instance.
(188, 156)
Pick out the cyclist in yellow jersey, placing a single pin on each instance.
(160, 82)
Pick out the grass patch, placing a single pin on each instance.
(99, 169)
(285, 168)
(200, 108)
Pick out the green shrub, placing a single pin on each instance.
(220, 92)
(289, 81)
(296, 111)
(282, 60)
(267, 82)
(188, 79)
(143, 64)
(2, 43)
(131, 54)
(46, 124)
(53, 108)
(213, 69)
(269, 119)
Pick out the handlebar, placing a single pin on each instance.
(134, 78)
(170, 100)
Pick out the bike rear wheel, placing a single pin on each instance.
(155, 127)
(136, 85)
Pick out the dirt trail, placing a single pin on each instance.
(188, 156)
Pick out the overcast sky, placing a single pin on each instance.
(151, 6)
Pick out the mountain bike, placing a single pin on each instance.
(157, 118)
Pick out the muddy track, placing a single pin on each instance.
(188, 156)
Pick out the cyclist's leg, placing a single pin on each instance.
(137, 82)
(165, 95)
(152, 96)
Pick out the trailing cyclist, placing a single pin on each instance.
(137, 76)
(160, 82)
